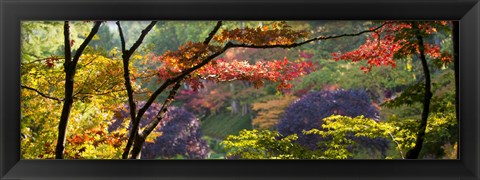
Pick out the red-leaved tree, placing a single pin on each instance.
(394, 41)
(195, 61)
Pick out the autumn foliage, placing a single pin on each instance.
(222, 70)
(274, 71)
(394, 40)
(270, 111)
(271, 82)
(269, 34)
(191, 54)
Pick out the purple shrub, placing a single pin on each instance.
(180, 133)
(308, 113)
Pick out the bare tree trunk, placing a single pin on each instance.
(67, 104)
(415, 152)
(70, 68)
(234, 106)
(234, 103)
(245, 109)
(136, 152)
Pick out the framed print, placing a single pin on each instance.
(239, 89)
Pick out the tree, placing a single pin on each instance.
(336, 133)
(70, 66)
(126, 54)
(191, 64)
(442, 129)
(397, 40)
(195, 60)
(309, 111)
(96, 86)
(69, 69)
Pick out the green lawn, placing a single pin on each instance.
(221, 125)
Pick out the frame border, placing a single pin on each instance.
(466, 11)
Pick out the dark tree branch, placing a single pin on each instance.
(308, 41)
(68, 50)
(126, 54)
(231, 45)
(151, 126)
(122, 38)
(152, 98)
(40, 93)
(176, 80)
(67, 104)
(415, 152)
(131, 103)
(84, 45)
(40, 60)
(212, 33)
(141, 138)
(226, 47)
(168, 82)
(70, 67)
(74, 96)
(171, 97)
(139, 41)
(142, 36)
(100, 93)
(145, 75)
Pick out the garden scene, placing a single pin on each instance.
(189, 90)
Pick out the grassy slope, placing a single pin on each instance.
(220, 125)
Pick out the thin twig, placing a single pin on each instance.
(398, 145)
(171, 97)
(40, 93)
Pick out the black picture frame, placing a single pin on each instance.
(467, 12)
